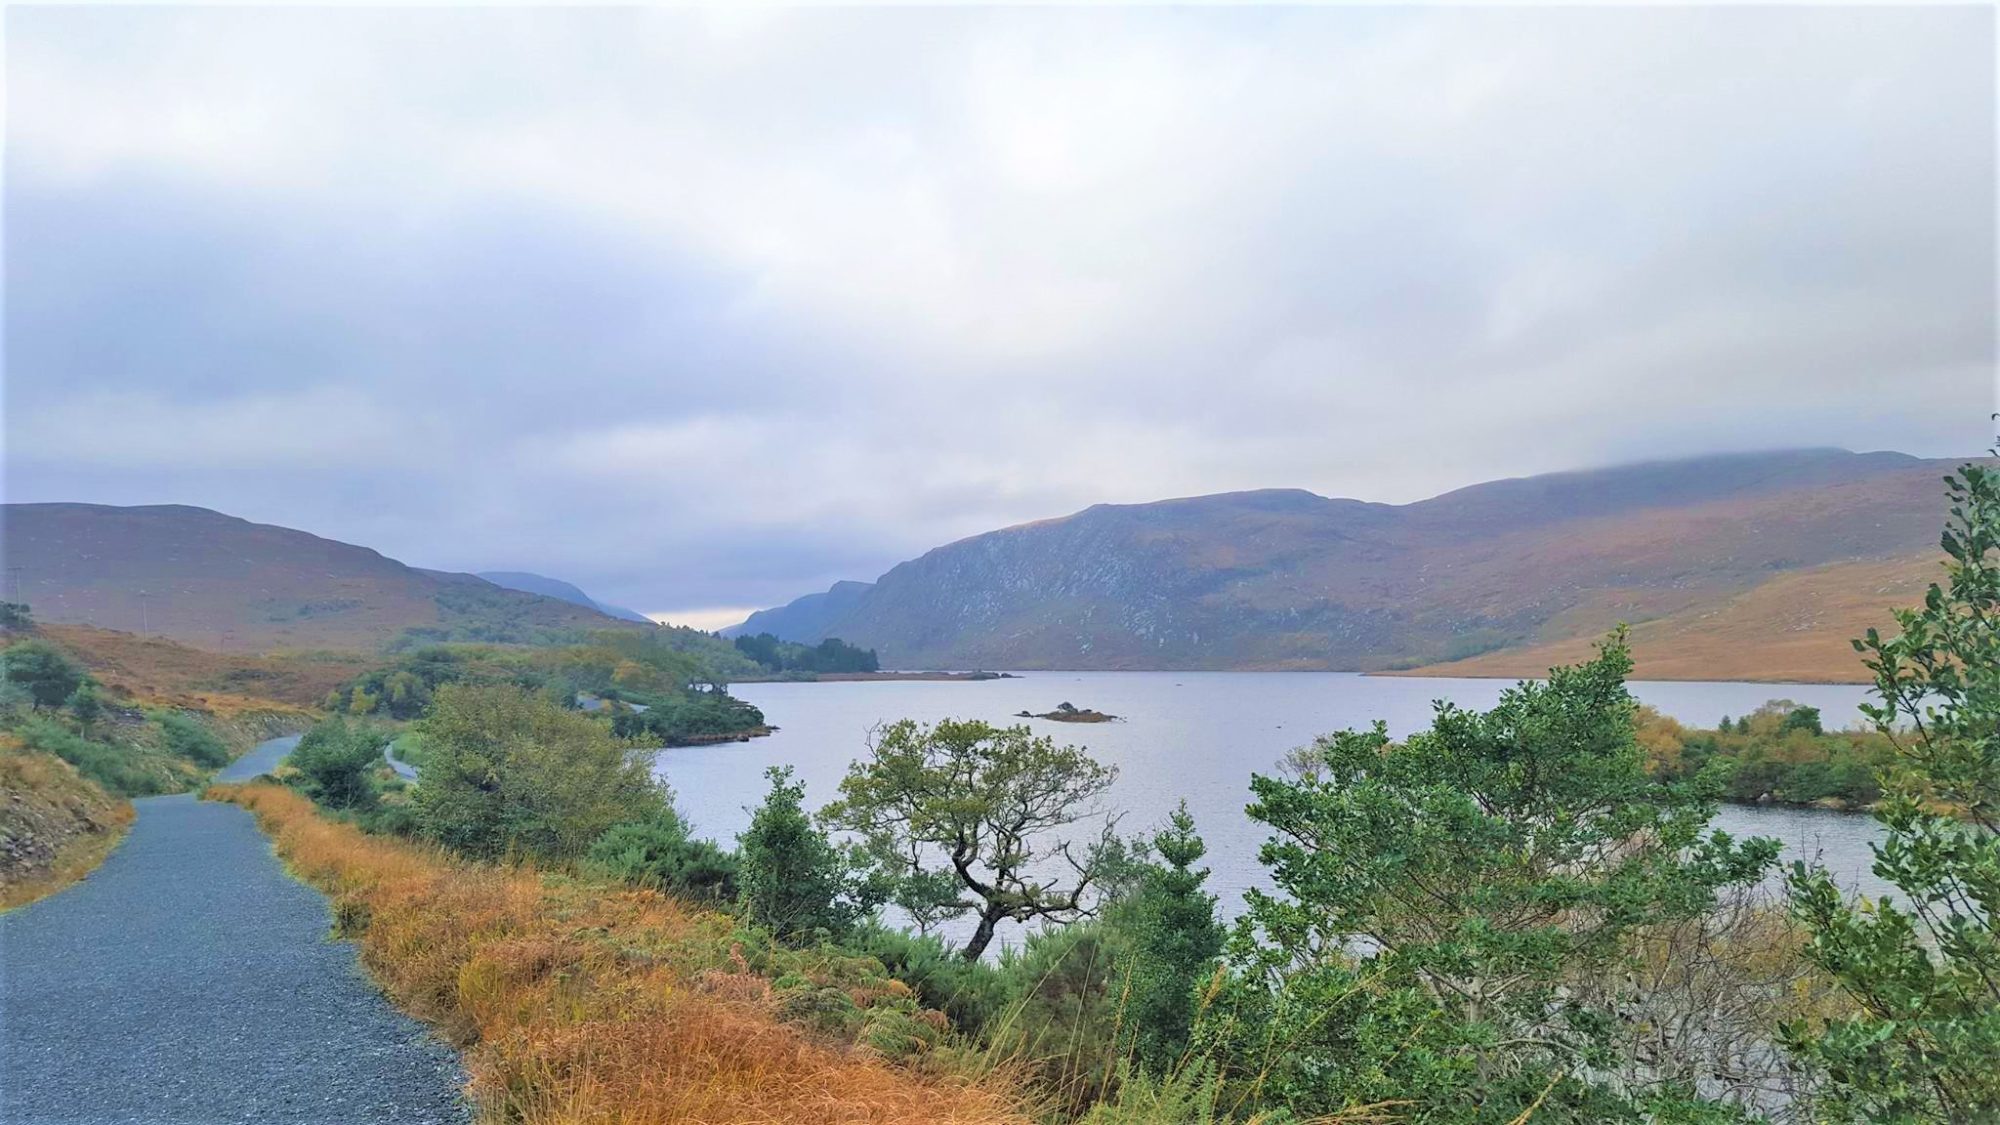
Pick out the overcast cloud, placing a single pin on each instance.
(701, 310)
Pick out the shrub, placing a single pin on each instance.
(659, 853)
(793, 879)
(337, 762)
(120, 770)
(184, 737)
(512, 772)
(40, 667)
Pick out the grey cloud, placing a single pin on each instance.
(710, 308)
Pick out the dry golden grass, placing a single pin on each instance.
(581, 1003)
(154, 671)
(1794, 628)
(47, 798)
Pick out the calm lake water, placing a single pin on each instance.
(1200, 735)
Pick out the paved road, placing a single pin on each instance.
(403, 769)
(191, 980)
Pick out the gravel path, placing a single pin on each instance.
(191, 980)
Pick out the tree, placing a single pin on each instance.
(510, 772)
(1925, 975)
(337, 762)
(1802, 718)
(49, 676)
(15, 617)
(1175, 942)
(1456, 913)
(988, 806)
(85, 706)
(793, 880)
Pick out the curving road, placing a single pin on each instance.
(191, 980)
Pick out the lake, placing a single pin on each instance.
(1200, 735)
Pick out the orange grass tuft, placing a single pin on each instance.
(589, 1003)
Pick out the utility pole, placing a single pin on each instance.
(142, 613)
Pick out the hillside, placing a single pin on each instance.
(217, 582)
(542, 584)
(1791, 629)
(1283, 579)
(806, 619)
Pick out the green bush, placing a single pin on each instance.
(40, 667)
(659, 853)
(511, 772)
(121, 770)
(337, 763)
(183, 737)
(794, 881)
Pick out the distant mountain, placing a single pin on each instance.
(555, 588)
(805, 619)
(1287, 579)
(215, 581)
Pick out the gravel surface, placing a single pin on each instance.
(191, 980)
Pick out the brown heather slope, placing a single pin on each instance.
(160, 672)
(1794, 628)
(218, 582)
(1285, 579)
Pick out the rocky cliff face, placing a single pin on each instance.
(1288, 579)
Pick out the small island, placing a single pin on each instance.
(1069, 713)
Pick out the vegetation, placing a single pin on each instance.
(662, 670)
(1778, 753)
(1925, 973)
(659, 853)
(795, 882)
(511, 773)
(830, 655)
(48, 676)
(55, 827)
(1514, 915)
(961, 817)
(337, 763)
(697, 716)
(577, 1001)
(1444, 898)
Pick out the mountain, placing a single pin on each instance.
(1286, 579)
(217, 582)
(555, 588)
(804, 619)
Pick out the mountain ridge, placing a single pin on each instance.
(213, 580)
(1285, 578)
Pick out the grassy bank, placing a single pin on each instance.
(577, 1001)
(56, 826)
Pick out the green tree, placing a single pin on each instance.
(511, 772)
(793, 880)
(39, 666)
(15, 617)
(1456, 912)
(989, 806)
(85, 706)
(338, 762)
(1925, 974)
(1175, 942)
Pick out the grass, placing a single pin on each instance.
(585, 1002)
(51, 802)
(1794, 628)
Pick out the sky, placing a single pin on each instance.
(703, 309)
